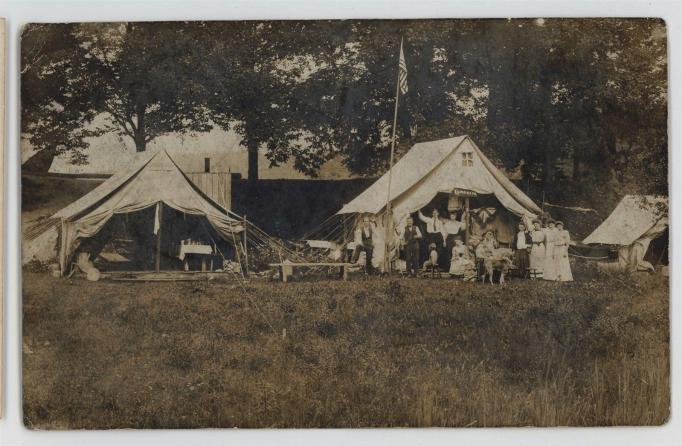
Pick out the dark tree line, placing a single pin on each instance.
(574, 103)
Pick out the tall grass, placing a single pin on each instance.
(356, 354)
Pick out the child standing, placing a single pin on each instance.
(432, 262)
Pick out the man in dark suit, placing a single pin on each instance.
(411, 237)
(521, 244)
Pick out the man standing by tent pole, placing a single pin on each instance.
(401, 87)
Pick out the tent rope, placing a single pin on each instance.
(240, 282)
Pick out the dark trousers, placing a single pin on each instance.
(449, 244)
(412, 257)
(368, 250)
(522, 262)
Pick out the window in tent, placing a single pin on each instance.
(467, 159)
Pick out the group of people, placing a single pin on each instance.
(541, 252)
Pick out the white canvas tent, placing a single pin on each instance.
(153, 181)
(633, 224)
(450, 166)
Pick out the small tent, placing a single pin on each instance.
(632, 226)
(148, 189)
(440, 174)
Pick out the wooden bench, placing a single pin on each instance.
(285, 272)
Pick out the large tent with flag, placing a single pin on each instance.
(638, 222)
(450, 173)
(154, 196)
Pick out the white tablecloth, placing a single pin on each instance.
(194, 249)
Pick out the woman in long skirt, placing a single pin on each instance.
(563, 266)
(537, 252)
(549, 272)
(461, 260)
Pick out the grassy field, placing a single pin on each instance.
(384, 352)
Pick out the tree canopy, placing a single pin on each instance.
(571, 102)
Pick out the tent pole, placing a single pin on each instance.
(344, 250)
(62, 250)
(467, 229)
(389, 212)
(158, 238)
(246, 252)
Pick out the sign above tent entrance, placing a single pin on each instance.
(457, 192)
(458, 198)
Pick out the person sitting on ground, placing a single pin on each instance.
(521, 244)
(461, 262)
(364, 242)
(432, 262)
(410, 241)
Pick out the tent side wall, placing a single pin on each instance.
(636, 221)
(456, 163)
(158, 180)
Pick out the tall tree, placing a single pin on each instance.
(140, 79)
(55, 99)
(147, 77)
(258, 80)
(534, 92)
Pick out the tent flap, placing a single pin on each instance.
(154, 180)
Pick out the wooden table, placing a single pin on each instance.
(204, 252)
(285, 272)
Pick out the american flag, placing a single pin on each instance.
(402, 71)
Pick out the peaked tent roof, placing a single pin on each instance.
(154, 179)
(429, 168)
(633, 218)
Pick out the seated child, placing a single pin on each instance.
(432, 262)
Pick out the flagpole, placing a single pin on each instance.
(389, 212)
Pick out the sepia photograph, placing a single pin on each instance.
(345, 223)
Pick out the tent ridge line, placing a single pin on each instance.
(462, 138)
(112, 192)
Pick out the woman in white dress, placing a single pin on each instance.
(461, 260)
(537, 251)
(549, 271)
(561, 243)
